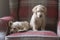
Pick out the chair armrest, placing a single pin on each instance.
(7, 18)
(58, 28)
(4, 23)
(4, 26)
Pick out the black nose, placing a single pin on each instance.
(40, 16)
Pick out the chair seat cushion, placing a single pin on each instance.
(33, 33)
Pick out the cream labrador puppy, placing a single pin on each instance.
(19, 26)
(38, 18)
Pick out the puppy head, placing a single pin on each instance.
(16, 29)
(11, 27)
(39, 8)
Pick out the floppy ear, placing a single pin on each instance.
(45, 10)
(34, 9)
(10, 23)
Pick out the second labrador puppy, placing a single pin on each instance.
(19, 26)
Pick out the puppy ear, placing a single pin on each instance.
(34, 9)
(45, 10)
(10, 23)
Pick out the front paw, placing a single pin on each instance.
(35, 30)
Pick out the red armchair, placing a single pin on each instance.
(21, 10)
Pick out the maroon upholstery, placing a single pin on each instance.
(13, 8)
(23, 12)
(33, 33)
(52, 8)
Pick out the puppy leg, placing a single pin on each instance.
(35, 28)
(43, 25)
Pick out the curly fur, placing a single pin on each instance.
(19, 26)
(38, 18)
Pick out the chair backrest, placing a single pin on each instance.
(13, 8)
(52, 14)
(22, 10)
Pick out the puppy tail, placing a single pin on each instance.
(10, 23)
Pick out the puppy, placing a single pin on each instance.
(38, 18)
(18, 26)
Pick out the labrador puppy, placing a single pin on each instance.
(38, 18)
(19, 26)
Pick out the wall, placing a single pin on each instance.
(4, 8)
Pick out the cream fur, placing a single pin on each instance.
(19, 26)
(38, 18)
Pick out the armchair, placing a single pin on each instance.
(21, 10)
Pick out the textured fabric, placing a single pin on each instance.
(52, 14)
(52, 8)
(24, 10)
(32, 35)
(31, 38)
(13, 8)
(52, 11)
(7, 18)
(4, 23)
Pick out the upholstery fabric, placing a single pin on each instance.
(32, 38)
(52, 8)
(4, 26)
(13, 8)
(25, 10)
(7, 18)
(52, 13)
(31, 35)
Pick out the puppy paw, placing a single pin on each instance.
(35, 30)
